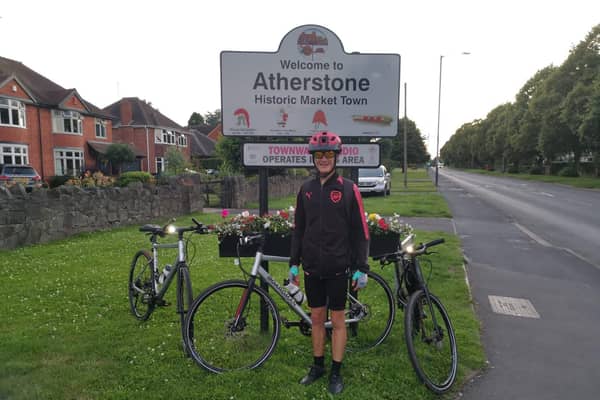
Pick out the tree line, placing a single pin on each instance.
(553, 126)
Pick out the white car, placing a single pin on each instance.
(374, 180)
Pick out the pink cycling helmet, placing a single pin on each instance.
(324, 141)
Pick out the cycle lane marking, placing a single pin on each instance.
(513, 306)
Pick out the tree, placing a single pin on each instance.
(212, 119)
(176, 162)
(118, 154)
(589, 130)
(228, 149)
(416, 153)
(196, 119)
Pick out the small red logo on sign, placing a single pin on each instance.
(335, 196)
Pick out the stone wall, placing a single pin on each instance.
(49, 214)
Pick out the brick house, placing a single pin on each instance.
(47, 126)
(140, 125)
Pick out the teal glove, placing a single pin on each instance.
(293, 275)
(359, 280)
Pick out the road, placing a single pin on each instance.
(531, 253)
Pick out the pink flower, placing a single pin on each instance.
(224, 213)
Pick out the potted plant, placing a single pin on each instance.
(385, 234)
(277, 228)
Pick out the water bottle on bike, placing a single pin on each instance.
(294, 291)
(163, 276)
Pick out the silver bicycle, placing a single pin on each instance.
(148, 283)
(236, 324)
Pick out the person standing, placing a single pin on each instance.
(330, 240)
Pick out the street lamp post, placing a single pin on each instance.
(437, 147)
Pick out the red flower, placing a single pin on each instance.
(382, 224)
(284, 214)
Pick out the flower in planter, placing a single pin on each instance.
(244, 223)
(282, 222)
(379, 226)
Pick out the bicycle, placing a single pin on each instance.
(428, 330)
(148, 286)
(232, 333)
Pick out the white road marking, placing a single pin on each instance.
(513, 306)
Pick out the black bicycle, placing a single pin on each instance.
(148, 284)
(428, 330)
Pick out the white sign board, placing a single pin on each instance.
(311, 84)
(297, 155)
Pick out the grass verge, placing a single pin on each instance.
(67, 331)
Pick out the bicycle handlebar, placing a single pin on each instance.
(417, 251)
(157, 230)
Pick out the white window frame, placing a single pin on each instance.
(100, 128)
(16, 112)
(168, 137)
(17, 154)
(74, 119)
(161, 164)
(182, 140)
(64, 155)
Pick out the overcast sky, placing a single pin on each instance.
(167, 52)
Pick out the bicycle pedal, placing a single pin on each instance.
(162, 303)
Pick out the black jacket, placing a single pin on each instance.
(331, 233)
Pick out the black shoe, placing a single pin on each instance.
(336, 384)
(315, 373)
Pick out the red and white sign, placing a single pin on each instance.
(297, 155)
(311, 84)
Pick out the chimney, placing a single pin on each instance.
(126, 112)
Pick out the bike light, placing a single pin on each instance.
(171, 229)
(408, 244)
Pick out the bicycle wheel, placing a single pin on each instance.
(217, 345)
(141, 289)
(184, 300)
(375, 303)
(431, 345)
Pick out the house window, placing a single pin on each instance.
(168, 137)
(67, 122)
(12, 112)
(100, 129)
(68, 162)
(161, 164)
(13, 154)
(182, 140)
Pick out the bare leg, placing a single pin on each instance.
(318, 316)
(338, 339)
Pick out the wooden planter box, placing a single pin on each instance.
(383, 244)
(275, 245)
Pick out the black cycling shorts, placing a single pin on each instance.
(330, 292)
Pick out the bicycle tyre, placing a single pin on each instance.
(214, 346)
(432, 352)
(141, 290)
(381, 311)
(185, 297)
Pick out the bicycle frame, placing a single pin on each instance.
(179, 262)
(259, 272)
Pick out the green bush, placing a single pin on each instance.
(513, 169)
(57, 180)
(536, 170)
(134, 176)
(569, 171)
